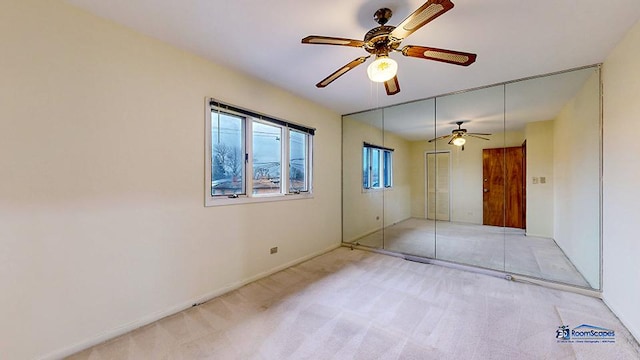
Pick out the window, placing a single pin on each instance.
(298, 161)
(252, 157)
(267, 158)
(227, 154)
(377, 167)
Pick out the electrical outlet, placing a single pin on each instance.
(543, 180)
(274, 250)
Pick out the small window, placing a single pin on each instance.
(298, 161)
(387, 168)
(267, 158)
(377, 166)
(255, 157)
(227, 154)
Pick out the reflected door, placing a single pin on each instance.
(503, 192)
(438, 185)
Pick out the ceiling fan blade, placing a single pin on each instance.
(474, 133)
(451, 141)
(425, 13)
(329, 79)
(326, 40)
(448, 56)
(392, 86)
(476, 136)
(439, 138)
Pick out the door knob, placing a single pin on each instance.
(486, 190)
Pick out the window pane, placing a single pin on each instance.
(375, 168)
(267, 158)
(297, 161)
(227, 154)
(365, 168)
(387, 169)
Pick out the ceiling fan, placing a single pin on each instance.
(384, 39)
(458, 135)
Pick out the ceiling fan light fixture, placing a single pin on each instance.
(382, 69)
(459, 141)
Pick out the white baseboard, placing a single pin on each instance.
(538, 235)
(120, 330)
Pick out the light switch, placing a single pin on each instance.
(535, 180)
(543, 180)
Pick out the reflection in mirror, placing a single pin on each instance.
(521, 196)
(406, 229)
(362, 183)
(469, 167)
(560, 118)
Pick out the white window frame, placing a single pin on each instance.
(247, 172)
(381, 167)
(308, 167)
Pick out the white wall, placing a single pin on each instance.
(540, 215)
(466, 175)
(576, 170)
(621, 245)
(102, 223)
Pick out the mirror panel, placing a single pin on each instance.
(560, 117)
(362, 199)
(472, 181)
(407, 230)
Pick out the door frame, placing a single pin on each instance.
(426, 174)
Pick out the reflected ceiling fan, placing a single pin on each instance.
(384, 39)
(458, 135)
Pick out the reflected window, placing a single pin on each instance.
(377, 167)
(387, 167)
(366, 165)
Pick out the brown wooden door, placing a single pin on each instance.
(503, 195)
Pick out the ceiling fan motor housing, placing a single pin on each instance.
(378, 42)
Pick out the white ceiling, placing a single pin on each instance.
(513, 39)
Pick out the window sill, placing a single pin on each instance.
(223, 201)
(377, 189)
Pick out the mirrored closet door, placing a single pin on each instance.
(505, 177)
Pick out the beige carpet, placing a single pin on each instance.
(353, 304)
